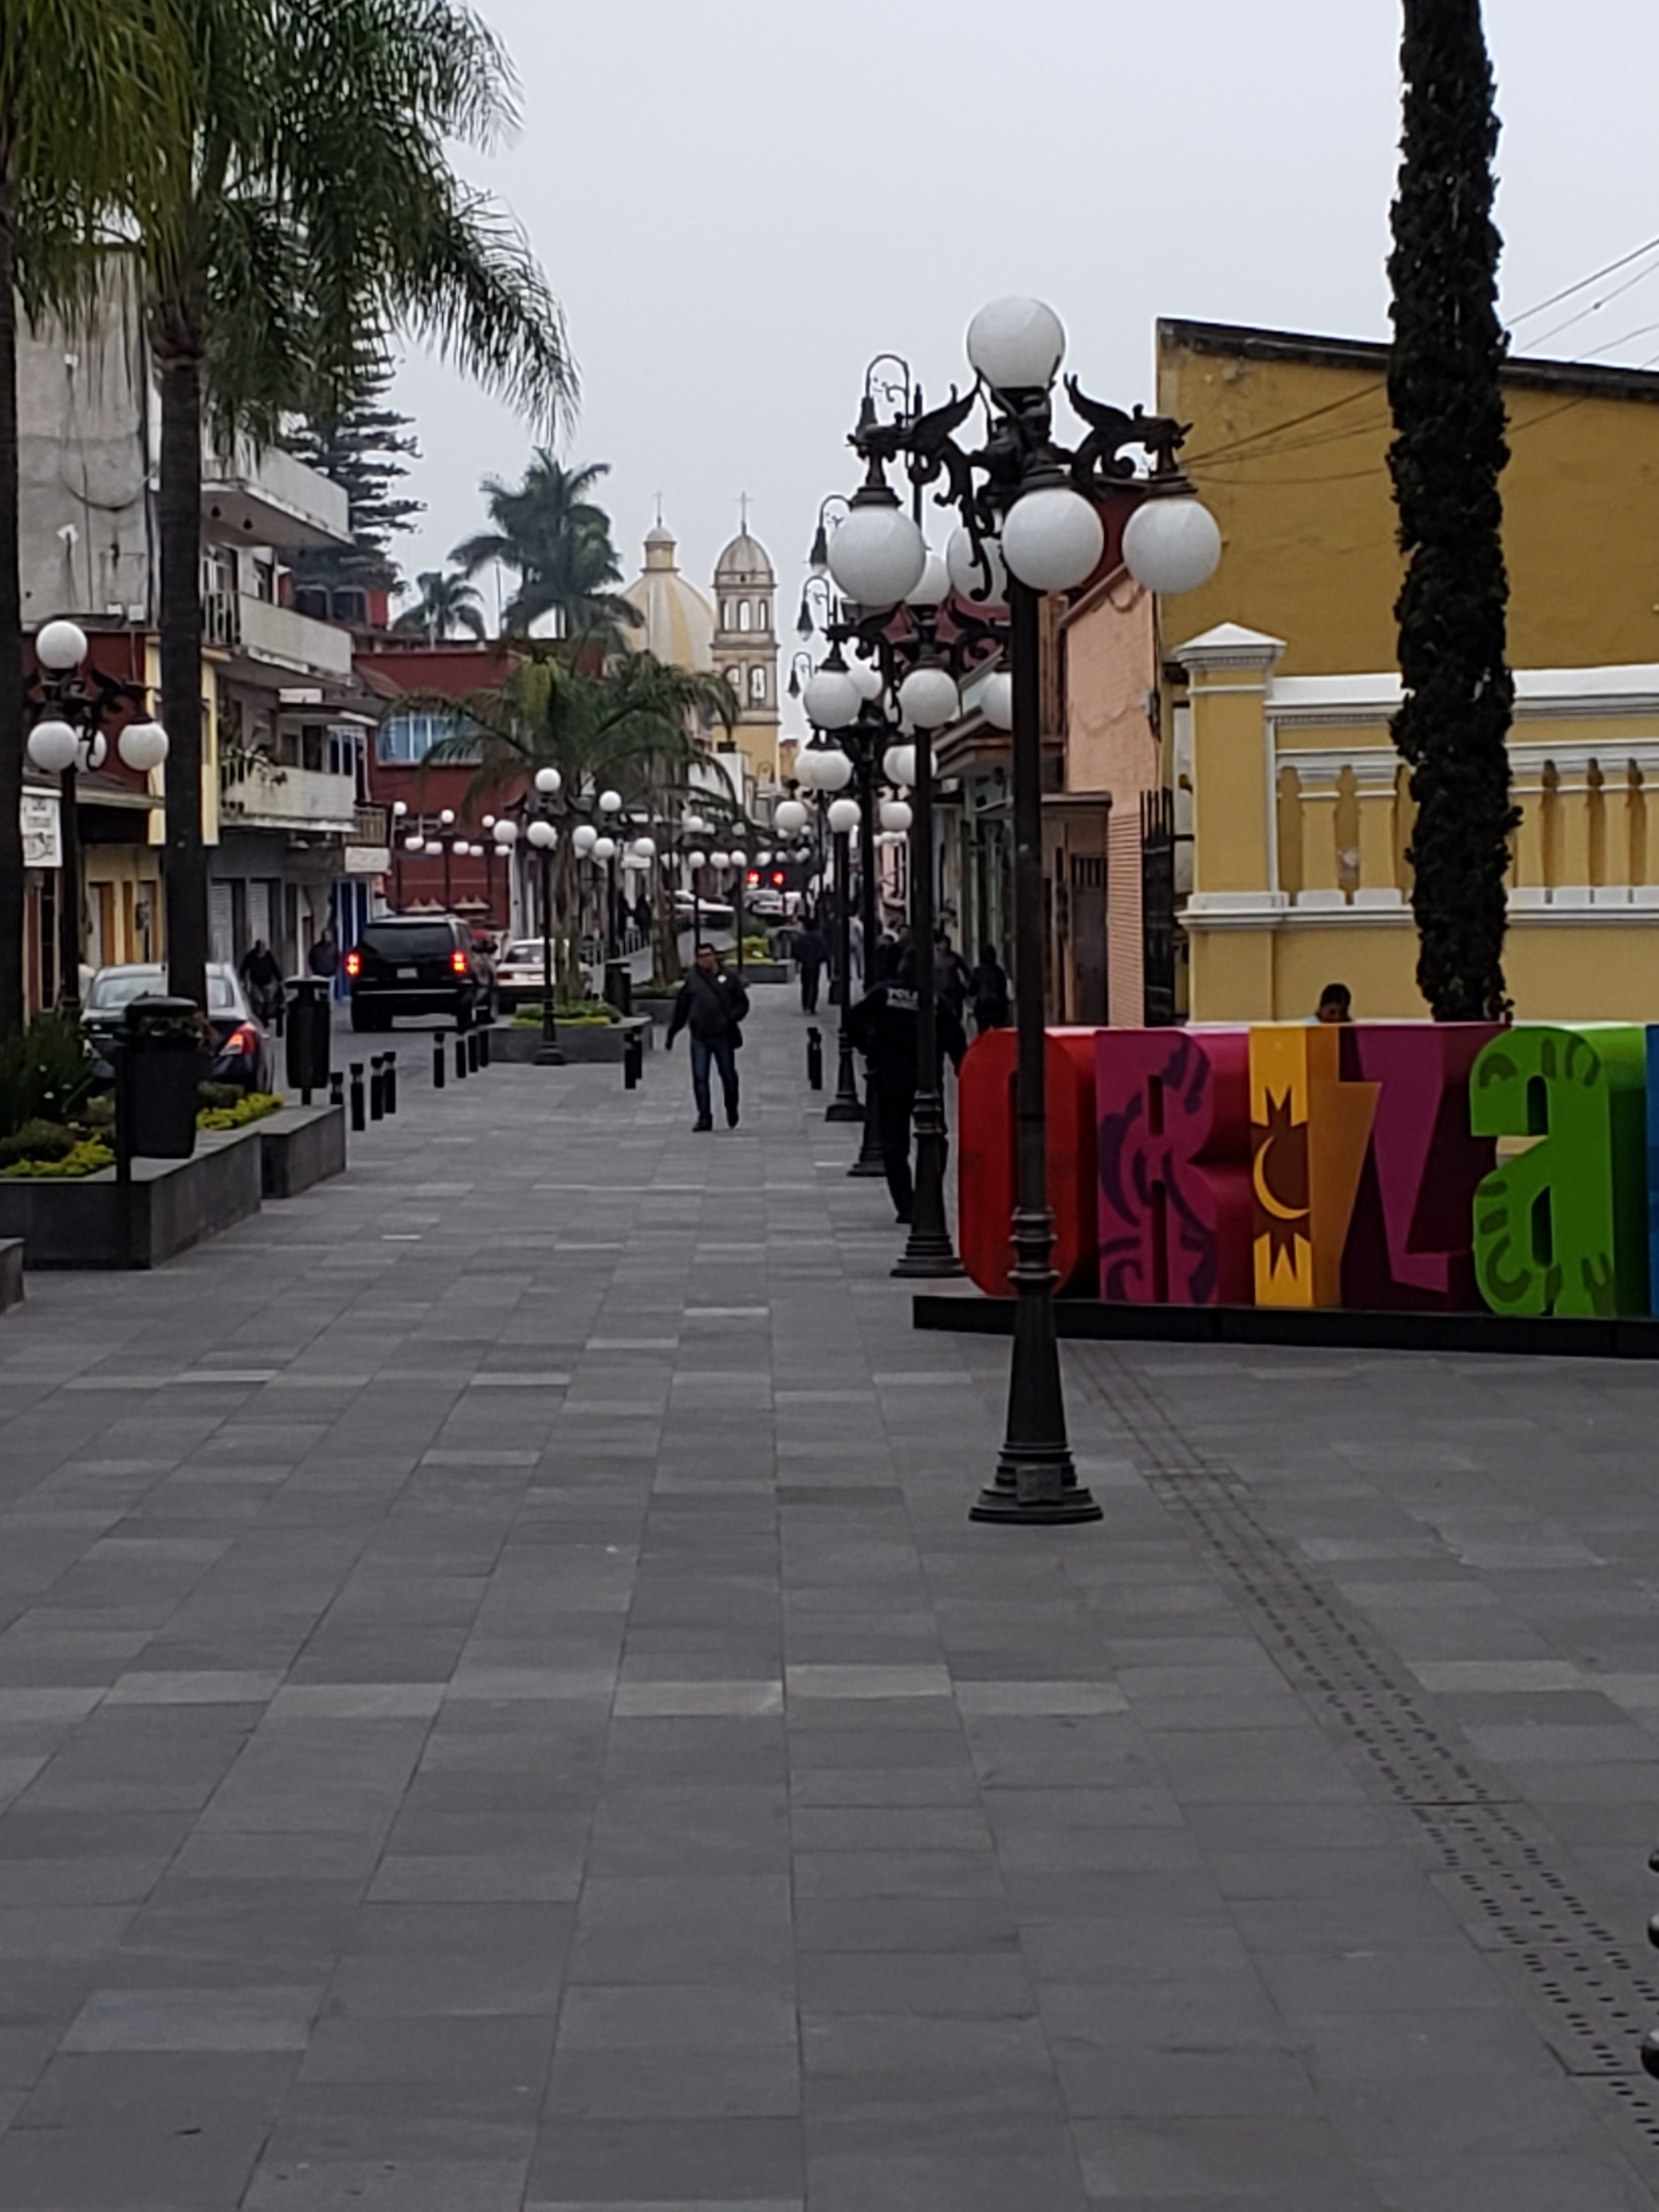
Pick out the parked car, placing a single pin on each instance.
(417, 964)
(241, 1044)
(764, 902)
(519, 974)
(708, 913)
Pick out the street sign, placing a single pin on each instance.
(43, 847)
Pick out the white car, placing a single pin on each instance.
(709, 913)
(519, 974)
(765, 901)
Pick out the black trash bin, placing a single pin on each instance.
(310, 1035)
(161, 1066)
(619, 986)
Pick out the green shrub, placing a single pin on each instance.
(37, 1140)
(756, 948)
(587, 1013)
(217, 1096)
(46, 1071)
(84, 1158)
(252, 1108)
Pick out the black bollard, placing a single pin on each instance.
(389, 1082)
(359, 1120)
(336, 1087)
(815, 1059)
(633, 1060)
(437, 1060)
(376, 1088)
(460, 1057)
(483, 1046)
(472, 1061)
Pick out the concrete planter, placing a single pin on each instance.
(655, 1005)
(169, 1205)
(300, 1146)
(600, 1045)
(11, 1273)
(767, 971)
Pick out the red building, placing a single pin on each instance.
(411, 679)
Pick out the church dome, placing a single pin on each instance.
(746, 561)
(678, 623)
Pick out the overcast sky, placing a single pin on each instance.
(739, 202)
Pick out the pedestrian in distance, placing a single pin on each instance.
(712, 1005)
(811, 951)
(262, 979)
(988, 992)
(1335, 1004)
(324, 958)
(950, 977)
(883, 1027)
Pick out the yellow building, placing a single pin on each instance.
(1267, 694)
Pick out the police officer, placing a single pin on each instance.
(883, 1026)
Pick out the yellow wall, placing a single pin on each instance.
(1307, 517)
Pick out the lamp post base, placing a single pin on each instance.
(1036, 1493)
(843, 1109)
(548, 1055)
(922, 1262)
(869, 1162)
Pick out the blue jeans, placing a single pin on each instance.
(716, 1052)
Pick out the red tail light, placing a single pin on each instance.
(353, 963)
(246, 1038)
(753, 877)
(458, 960)
(777, 876)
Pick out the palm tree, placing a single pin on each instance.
(447, 603)
(85, 96)
(313, 203)
(626, 727)
(558, 540)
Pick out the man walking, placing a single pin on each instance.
(884, 1028)
(810, 951)
(712, 1005)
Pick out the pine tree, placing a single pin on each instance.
(361, 445)
(1448, 455)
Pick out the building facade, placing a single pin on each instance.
(286, 815)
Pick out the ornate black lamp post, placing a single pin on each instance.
(541, 832)
(66, 706)
(1029, 508)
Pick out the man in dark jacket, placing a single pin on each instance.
(811, 951)
(712, 1005)
(883, 1026)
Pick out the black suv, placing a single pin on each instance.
(403, 964)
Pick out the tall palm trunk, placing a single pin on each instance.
(179, 358)
(11, 633)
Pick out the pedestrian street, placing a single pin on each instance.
(501, 1706)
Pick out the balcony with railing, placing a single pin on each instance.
(260, 794)
(260, 632)
(268, 498)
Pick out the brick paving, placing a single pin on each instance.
(502, 1707)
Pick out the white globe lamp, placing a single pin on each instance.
(414, 842)
(789, 816)
(719, 859)
(933, 587)
(60, 646)
(867, 676)
(1053, 538)
(1016, 344)
(996, 700)
(400, 808)
(831, 699)
(605, 848)
(644, 848)
(878, 557)
(738, 858)
(695, 860)
(549, 781)
(506, 834)
(898, 765)
(54, 745)
(611, 802)
(584, 837)
(833, 770)
(142, 746)
(543, 835)
(895, 815)
(844, 816)
(1172, 544)
(929, 697)
(980, 574)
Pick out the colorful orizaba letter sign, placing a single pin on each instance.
(1308, 1134)
(1172, 1113)
(986, 1149)
(1561, 1223)
(1411, 1240)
